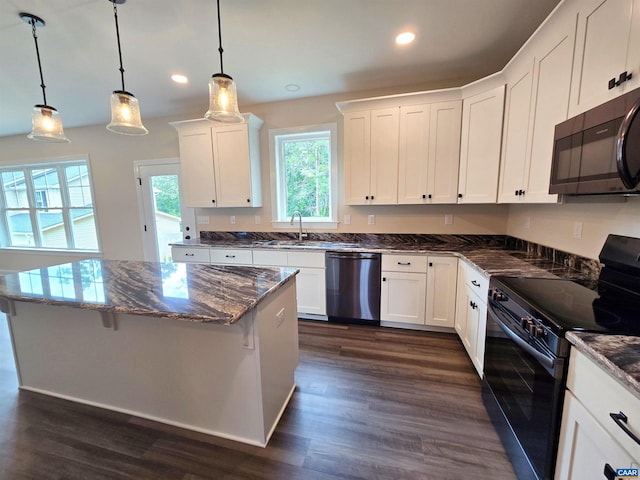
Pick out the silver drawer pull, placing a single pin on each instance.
(230, 256)
(404, 263)
(474, 283)
(621, 421)
(189, 254)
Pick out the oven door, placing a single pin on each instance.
(527, 384)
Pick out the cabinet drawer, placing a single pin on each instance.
(191, 255)
(476, 280)
(601, 395)
(404, 263)
(237, 256)
(270, 258)
(305, 259)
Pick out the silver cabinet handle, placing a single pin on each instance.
(474, 283)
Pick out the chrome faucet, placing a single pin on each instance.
(300, 234)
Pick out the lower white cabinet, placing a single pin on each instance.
(231, 256)
(418, 290)
(310, 281)
(590, 440)
(471, 313)
(190, 254)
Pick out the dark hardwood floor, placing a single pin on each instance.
(371, 403)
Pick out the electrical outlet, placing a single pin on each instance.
(372, 219)
(577, 230)
(347, 219)
(203, 220)
(448, 219)
(232, 219)
(280, 317)
(257, 219)
(527, 222)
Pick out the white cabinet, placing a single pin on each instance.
(607, 45)
(371, 156)
(231, 256)
(220, 163)
(471, 313)
(310, 281)
(444, 151)
(442, 275)
(538, 81)
(589, 438)
(190, 254)
(418, 290)
(403, 289)
(481, 140)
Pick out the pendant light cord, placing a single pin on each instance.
(220, 39)
(115, 15)
(35, 39)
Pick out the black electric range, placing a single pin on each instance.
(526, 352)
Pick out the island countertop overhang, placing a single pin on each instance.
(197, 293)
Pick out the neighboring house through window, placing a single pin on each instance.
(304, 164)
(47, 205)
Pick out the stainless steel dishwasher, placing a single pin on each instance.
(353, 287)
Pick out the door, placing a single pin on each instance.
(385, 127)
(232, 165)
(444, 151)
(442, 275)
(403, 297)
(163, 217)
(196, 157)
(414, 154)
(357, 157)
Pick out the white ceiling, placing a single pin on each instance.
(325, 46)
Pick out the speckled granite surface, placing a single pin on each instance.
(198, 293)
(619, 355)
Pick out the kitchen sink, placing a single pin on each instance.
(307, 243)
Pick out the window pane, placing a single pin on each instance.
(15, 189)
(79, 186)
(20, 228)
(92, 282)
(46, 187)
(83, 226)
(31, 282)
(51, 225)
(307, 176)
(61, 281)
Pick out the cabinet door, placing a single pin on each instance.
(310, 290)
(444, 151)
(602, 42)
(516, 131)
(585, 447)
(442, 274)
(385, 127)
(462, 302)
(480, 316)
(403, 297)
(196, 159)
(550, 106)
(481, 142)
(232, 165)
(357, 157)
(414, 154)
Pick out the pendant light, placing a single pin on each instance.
(223, 98)
(125, 110)
(46, 121)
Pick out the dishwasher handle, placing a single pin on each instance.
(353, 255)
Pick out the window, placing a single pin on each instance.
(47, 205)
(304, 165)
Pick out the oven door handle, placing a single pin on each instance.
(544, 360)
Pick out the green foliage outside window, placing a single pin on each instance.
(307, 174)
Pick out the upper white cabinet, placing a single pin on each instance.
(371, 156)
(480, 145)
(607, 47)
(405, 152)
(429, 153)
(220, 163)
(538, 87)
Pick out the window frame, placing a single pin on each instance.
(27, 168)
(277, 172)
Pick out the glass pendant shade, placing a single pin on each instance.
(125, 114)
(46, 125)
(223, 100)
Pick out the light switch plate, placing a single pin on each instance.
(527, 222)
(257, 219)
(347, 219)
(577, 230)
(232, 219)
(203, 219)
(372, 219)
(448, 219)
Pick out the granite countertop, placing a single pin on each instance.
(618, 355)
(198, 293)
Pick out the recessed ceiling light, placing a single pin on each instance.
(292, 87)
(178, 78)
(405, 38)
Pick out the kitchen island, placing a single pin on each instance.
(207, 348)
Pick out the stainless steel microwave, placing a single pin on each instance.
(598, 151)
